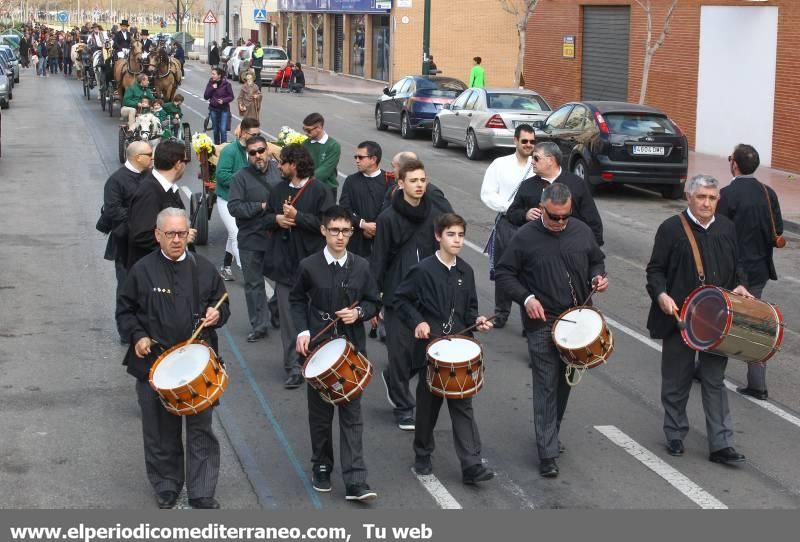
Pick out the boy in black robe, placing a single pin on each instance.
(328, 283)
(292, 217)
(404, 237)
(159, 306)
(437, 298)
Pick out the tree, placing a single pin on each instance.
(650, 48)
(522, 10)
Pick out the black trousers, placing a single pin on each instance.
(400, 347)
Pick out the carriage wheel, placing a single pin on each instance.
(84, 85)
(123, 136)
(201, 222)
(103, 98)
(111, 101)
(187, 140)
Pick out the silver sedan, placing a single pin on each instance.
(482, 119)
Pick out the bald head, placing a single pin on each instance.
(139, 154)
(400, 159)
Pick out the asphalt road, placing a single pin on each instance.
(71, 429)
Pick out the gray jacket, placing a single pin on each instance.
(249, 189)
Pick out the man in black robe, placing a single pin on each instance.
(163, 299)
(293, 214)
(363, 194)
(550, 265)
(745, 202)
(157, 191)
(547, 160)
(329, 283)
(672, 274)
(404, 237)
(439, 201)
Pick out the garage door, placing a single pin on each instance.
(606, 33)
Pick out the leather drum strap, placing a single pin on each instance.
(771, 216)
(698, 262)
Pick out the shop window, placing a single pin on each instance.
(380, 47)
(357, 36)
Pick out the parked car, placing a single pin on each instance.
(12, 40)
(412, 103)
(13, 61)
(7, 71)
(620, 143)
(5, 90)
(275, 59)
(225, 55)
(482, 119)
(233, 68)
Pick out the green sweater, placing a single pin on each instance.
(477, 77)
(326, 158)
(133, 95)
(232, 158)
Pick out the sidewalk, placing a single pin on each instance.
(324, 81)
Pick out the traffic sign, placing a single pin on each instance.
(210, 18)
(62, 17)
(260, 15)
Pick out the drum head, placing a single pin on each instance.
(587, 327)
(324, 358)
(181, 366)
(706, 315)
(455, 350)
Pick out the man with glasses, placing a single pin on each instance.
(547, 160)
(157, 191)
(362, 195)
(249, 192)
(293, 218)
(568, 263)
(167, 294)
(500, 184)
(325, 151)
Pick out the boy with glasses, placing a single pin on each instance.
(362, 194)
(329, 282)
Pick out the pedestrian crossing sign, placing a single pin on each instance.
(260, 15)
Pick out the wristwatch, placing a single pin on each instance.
(360, 312)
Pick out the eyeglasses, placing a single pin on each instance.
(148, 154)
(253, 152)
(536, 157)
(557, 218)
(527, 141)
(336, 232)
(173, 234)
(360, 157)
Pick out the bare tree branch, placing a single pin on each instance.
(522, 10)
(650, 48)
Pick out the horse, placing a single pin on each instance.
(76, 54)
(165, 74)
(126, 69)
(101, 63)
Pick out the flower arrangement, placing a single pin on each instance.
(201, 142)
(287, 136)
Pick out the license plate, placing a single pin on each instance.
(646, 150)
(515, 123)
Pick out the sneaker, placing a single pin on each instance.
(321, 478)
(406, 424)
(360, 492)
(386, 387)
(226, 273)
(423, 465)
(294, 381)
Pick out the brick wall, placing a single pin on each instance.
(672, 85)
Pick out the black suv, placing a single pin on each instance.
(617, 142)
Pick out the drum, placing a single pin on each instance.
(337, 371)
(728, 324)
(455, 367)
(189, 378)
(582, 337)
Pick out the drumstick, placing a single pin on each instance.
(681, 323)
(594, 289)
(203, 323)
(331, 324)
(473, 326)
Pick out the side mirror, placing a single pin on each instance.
(387, 91)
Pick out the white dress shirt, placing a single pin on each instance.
(322, 140)
(694, 219)
(329, 258)
(165, 184)
(501, 181)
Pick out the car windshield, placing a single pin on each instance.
(447, 88)
(526, 102)
(275, 54)
(636, 124)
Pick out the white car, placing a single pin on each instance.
(239, 62)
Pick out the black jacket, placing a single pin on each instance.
(213, 56)
(439, 201)
(148, 200)
(249, 188)
(363, 196)
(117, 195)
(122, 41)
(529, 195)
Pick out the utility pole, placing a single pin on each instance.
(178, 16)
(426, 39)
(227, 20)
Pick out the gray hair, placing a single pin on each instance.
(557, 193)
(402, 157)
(137, 147)
(170, 212)
(141, 77)
(548, 148)
(701, 180)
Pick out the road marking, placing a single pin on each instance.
(474, 247)
(439, 493)
(342, 98)
(794, 420)
(635, 334)
(697, 494)
(791, 279)
(268, 287)
(637, 265)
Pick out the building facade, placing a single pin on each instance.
(727, 73)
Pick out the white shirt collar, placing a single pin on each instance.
(706, 226)
(322, 140)
(302, 183)
(373, 175)
(165, 184)
(554, 178)
(130, 166)
(180, 259)
(330, 259)
(448, 266)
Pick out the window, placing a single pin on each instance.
(440, 87)
(556, 120)
(473, 100)
(523, 102)
(357, 37)
(274, 54)
(399, 86)
(380, 47)
(577, 119)
(461, 100)
(639, 124)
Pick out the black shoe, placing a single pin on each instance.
(360, 492)
(204, 503)
(255, 336)
(275, 321)
(321, 478)
(476, 473)
(548, 468)
(373, 333)
(761, 395)
(294, 381)
(675, 447)
(561, 448)
(166, 499)
(726, 456)
(499, 323)
(406, 424)
(423, 465)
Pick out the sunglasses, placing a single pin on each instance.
(557, 218)
(527, 141)
(253, 152)
(537, 157)
(360, 157)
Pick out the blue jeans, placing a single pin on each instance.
(41, 67)
(219, 122)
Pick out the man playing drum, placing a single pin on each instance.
(550, 265)
(161, 303)
(672, 274)
(329, 282)
(438, 298)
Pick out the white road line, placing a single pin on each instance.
(794, 420)
(697, 494)
(790, 279)
(269, 288)
(474, 247)
(342, 98)
(635, 334)
(439, 493)
(637, 265)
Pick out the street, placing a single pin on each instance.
(71, 433)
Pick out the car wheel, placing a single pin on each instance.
(379, 124)
(406, 131)
(5, 105)
(579, 169)
(436, 136)
(473, 151)
(672, 191)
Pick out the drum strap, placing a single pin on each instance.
(698, 261)
(195, 289)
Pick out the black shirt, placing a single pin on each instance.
(117, 195)
(149, 200)
(363, 197)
